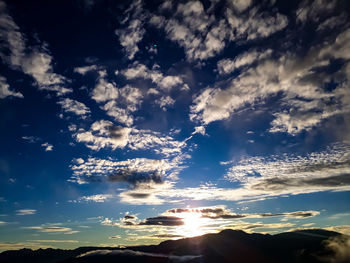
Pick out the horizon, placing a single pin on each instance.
(134, 122)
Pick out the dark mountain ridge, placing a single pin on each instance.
(226, 246)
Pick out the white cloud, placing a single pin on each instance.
(314, 10)
(48, 147)
(119, 114)
(277, 175)
(37, 62)
(304, 102)
(53, 241)
(104, 91)
(5, 90)
(261, 178)
(24, 212)
(135, 171)
(50, 229)
(199, 129)
(104, 134)
(203, 35)
(241, 5)
(119, 103)
(74, 106)
(85, 69)
(226, 66)
(165, 83)
(99, 198)
(133, 32)
(165, 101)
(31, 139)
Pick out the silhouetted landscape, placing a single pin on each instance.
(314, 245)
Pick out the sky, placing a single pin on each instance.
(133, 122)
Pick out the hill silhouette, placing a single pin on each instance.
(226, 246)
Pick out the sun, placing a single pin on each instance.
(192, 226)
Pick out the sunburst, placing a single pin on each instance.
(193, 223)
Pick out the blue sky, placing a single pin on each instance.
(125, 122)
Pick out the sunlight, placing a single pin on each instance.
(193, 223)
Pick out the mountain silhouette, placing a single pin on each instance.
(226, 246)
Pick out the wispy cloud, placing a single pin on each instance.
(33, 61)
(53, 241)
(48, 147)
(133, 30)
(48, 228)
(24, 212)
(5, 90)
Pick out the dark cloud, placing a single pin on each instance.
(135, 178)
(279, 184)
(130, 217)
(163, 221)
(223, 213)
(116, 132)
(139, 195)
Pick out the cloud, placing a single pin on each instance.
(132, 253)
(104, 91)
(203, 34)
(99, 198)
(165, 102)
(51, 229)
(149, 193)
(260, 178)
(48, 147)
(31, 139)
(132, 33)
(104, 134)
(227, 66)
(85, 69)
(135, 178)
(340, 246)
(118, 103)
(24, 212)
(74, 106)
(299, 82)
(163, 221)
(35, 62)
(241, 5)
(185, 222)
(163, 82)
(115, 237)
(53, 241)
(108, 222)
(5, 90)
(221, 212)
(137, 172)
(314, 10)
(319, 171)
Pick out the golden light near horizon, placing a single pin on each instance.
(193, 223)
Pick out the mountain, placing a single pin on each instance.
(226, 246)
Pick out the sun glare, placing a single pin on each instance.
(192, 226)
